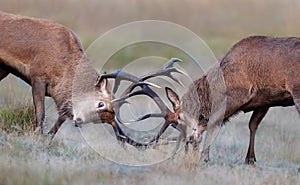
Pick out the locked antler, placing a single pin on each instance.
(119, 75)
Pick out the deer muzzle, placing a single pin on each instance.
(78, 122)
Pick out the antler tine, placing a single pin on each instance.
(170, 63)
(161, 131)
(165, 111)
(145, 91)
(146, 116)
(122, 137)
(119, 75)
(165, 70)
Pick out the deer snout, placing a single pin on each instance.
(197, 135)
(78, 122)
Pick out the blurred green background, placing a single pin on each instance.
(221, 23)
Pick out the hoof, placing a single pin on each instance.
(51, 135)
(205, 156)
(205, 159)
(38, 131)
(250, 161)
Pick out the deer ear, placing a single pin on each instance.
(173, 98)
(103, 86)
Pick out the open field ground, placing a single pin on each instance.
(29, 159)
(32, 160)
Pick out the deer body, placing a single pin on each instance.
(50, 58)
(257, 73)
(263, 68)
(46, 55)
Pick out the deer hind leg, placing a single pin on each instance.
(38, 93)
(255, 119)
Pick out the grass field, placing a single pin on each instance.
(28, 159)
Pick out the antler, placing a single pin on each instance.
(119, 75)
(165, 70)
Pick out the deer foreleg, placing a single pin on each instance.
(38, 93)
(214, 120)
(57, 125)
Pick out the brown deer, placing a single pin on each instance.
(256, 73)
(50, 58)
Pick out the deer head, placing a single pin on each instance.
(183, 118)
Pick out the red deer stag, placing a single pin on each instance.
(256, 73)
(50, 58)
(47, 56)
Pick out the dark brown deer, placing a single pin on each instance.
(256, 73)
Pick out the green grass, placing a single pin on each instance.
(17, 119)
(16, 108)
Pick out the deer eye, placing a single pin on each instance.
(100, 105)
(178, 117)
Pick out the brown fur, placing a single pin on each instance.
(257, 73)
(46, 55)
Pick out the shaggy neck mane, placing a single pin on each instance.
(204, 95)
(196, 101)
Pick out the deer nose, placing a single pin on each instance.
(196, 134)
(78, 122)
